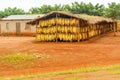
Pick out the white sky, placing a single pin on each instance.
(27, 4)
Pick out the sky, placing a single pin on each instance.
(27, 4)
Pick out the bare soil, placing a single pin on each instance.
(98, 51)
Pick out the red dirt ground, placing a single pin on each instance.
(64, 55)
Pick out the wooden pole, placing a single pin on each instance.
(88, 28)
(104, 29)
(78, 30)
(97, 28)
(109, 27)
(56, 28)
(36, 29)
(87, 32)
(93, 29)
(81, 28)
(71, 26)
(114, 28)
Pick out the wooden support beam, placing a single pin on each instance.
(97, 28)
(78, 31)
(103, 28)
(36, 25)
(56, 28)
(114, 28)
(81, 29)
(88, 28)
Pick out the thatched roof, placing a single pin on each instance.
(94, 19)
(87, 18)
(53, 13)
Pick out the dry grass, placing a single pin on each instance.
(74, 71)
(21, 60)
(73, 78)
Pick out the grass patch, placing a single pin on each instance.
(115, 72)
(73, 71)
(73, 78)
(20, 59)
(15, 58)
(4, 79)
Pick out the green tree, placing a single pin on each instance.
(113, 10)
(66, 7)
(34, 10)
(90, 9)
(11, 11)
(57, 7)
(98, 10)
(45, 9)
(2, 14)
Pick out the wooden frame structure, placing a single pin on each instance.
(63, 26)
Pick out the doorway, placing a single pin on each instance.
(18, 28)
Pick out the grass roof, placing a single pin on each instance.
(85, 17)
(93, 19)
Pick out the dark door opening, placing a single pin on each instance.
(18, 28)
